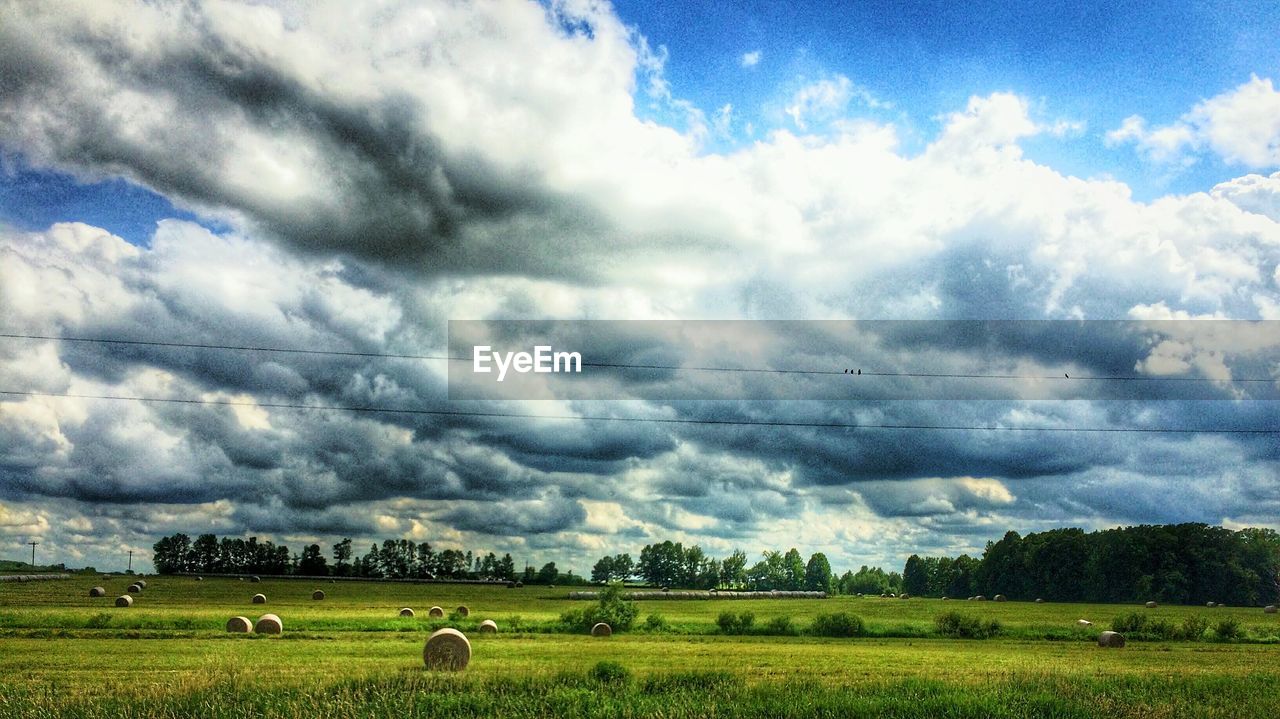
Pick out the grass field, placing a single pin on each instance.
(64, 654)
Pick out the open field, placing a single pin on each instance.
(65, 654)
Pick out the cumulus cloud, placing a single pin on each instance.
(490, 161)
(1241, 126)
(750, 59)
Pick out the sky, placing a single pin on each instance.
(351, 177)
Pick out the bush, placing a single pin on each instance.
(1193, 628)
(607, 672)
(655, 623)
(961, 626)
(612, 609)
(780, 627)
(840, 624)
(1228, 629)
(731, 623)
(1132, 623)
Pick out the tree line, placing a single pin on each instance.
(675, 565)
(393, 559)
(1175, 564)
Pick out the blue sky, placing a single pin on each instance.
(332, 175)
(1090, 62)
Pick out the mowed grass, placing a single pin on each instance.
(64, 654)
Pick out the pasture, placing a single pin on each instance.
(63, 653)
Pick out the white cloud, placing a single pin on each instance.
(750, 59)
(1240, 126)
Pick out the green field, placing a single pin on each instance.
(65, 654)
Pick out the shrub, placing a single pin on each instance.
(780, 627)
(613, 609)
(655, 623)
(840, 624)
(961, 626)
(731, 623)
(608, 672)
(1228, 629)
(1131, 623)
(1193, 628)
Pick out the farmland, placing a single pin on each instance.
(66, 654)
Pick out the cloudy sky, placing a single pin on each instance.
(352, 176)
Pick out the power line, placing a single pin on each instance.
(654, 420)
(848, 372)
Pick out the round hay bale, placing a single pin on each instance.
(268, 624)
(511, 585)
(255, 579)
(979, 598)
(447, 649)
(124, 600)
(1269, 609)
(134, 589)
(1001, 598)
(97, 592)
(141, 583)
(406, 612)
(1111, 640)
(488, 626)
(317, 595)
(1210, 604)
(463, 611)
(945, 598)
(259, 599)
(239, 625)
(1084, 622)
(602, 630)
(551, 586)
(1151, 605)
(435, 612)
(199, 579)
(519, 585)
(1039, 601)
(904, 595)
(666, 589)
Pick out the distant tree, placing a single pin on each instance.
(795, 569)
(548, 574)
(507, 568)
(733, 570)
(172, 555)
(817, 573)
(915, 576)
(312, 563)
(603, 570)
(342, 557)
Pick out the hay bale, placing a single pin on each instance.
(904, 595)
(259, 599)
(1001, 598)
(1151, 605)
(551, 586)
(268, 624)
(511, 585)
(255, 579)
(239, 625)
(406, 612)
(317, 595)
(447, 649)
(1084, 622)
(463, 611)
(199, 579)
(124, 600)
(945, 598)
(141, 583)
(602, 630)
(519, 585)
(134, 589)
(1210, 604)
(1039, 601)
(97, 592)
(1269, 609)
(435, 612)
(1111, 640)
(488, 626)
(979, 598)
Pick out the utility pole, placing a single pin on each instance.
(130, 560)
(33, 554)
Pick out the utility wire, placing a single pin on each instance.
(619, 365)
(655, 420)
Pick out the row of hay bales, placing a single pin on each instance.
(32, 577)
(643, 595)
